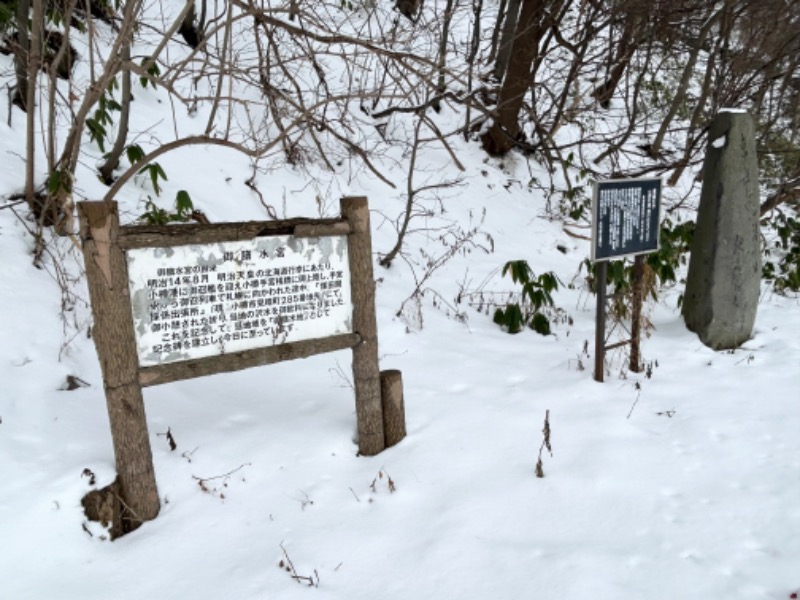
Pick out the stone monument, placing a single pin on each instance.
(723, 284)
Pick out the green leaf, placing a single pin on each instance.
(160, 172)
(540, 324)
(535, 295)
(183, 204)
(510, 318)
(97, 133)
(154, 178)
(549, 282)
(155, 172)
(59, 181)
(6, 16)
(538, 299)
(154, 215)
(519, 270)
(153, 70)
(134, 153)
(54, 182)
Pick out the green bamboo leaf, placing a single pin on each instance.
(97, 133)
(183, 204)
(153, 171)
(160, 172)
(134, 153)
(540, 324)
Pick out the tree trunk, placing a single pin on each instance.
(71, 152)
(112, 162)
(697, 114)
(683, 85)
(498, 25)
(69, 156)
(34, 62)
(440, 85)
(477, 9)
(505, 130)
(506, 38)
(630, 39)
(21, 54)
(63, 60)
(605, 92)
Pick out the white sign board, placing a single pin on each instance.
(205, 300)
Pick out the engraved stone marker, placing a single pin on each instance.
(724, 278)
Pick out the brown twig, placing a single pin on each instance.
(252, 185)
(287, 565)
(545, 444)
(12, 204)
(228, 474)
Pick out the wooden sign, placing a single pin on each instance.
(183, 301)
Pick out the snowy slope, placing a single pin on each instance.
(686, 488)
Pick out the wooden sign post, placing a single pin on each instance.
(183, 301)
(626, 222)
(366, 374)
(113, 335)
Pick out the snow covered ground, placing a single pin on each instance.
(684, 485)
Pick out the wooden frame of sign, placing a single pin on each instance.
(183, 301)
(626, 217)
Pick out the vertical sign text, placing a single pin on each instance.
(626, 218)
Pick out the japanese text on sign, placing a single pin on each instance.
(196, 301)
(626, 217)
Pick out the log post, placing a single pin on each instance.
(394, 412)
(114, 339)
(366, 372)
(636, 313)
(600, 325)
